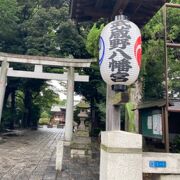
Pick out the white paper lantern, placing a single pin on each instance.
(120, 52)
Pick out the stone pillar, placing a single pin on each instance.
(121, 156)
(69, 106)
(3, 83)
(112, 112)
(59, 155)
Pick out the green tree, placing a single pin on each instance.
(92, 43)
(8, 21)
(37, 28)
(8, 18)
(95, 90)
(153, 55)
(70, 41)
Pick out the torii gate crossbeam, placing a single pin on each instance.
(41, 60)
(43, 75)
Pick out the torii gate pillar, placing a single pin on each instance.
(69, 106)
(3, 83)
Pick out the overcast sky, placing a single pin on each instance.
(62, 90)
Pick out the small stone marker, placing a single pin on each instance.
(59, 155)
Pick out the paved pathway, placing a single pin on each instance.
(32, 157)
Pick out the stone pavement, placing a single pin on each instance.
(80, 168)
(32, 157)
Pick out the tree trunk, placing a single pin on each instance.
(13, 109)
(7, 93)
(94, 122)
(26, 122)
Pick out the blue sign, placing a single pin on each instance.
(157, 164)
(101, 50)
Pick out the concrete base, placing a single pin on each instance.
(172, 161)
(166, 177)
(81, 144)
(81, 153)
(67, 143)
(121, 156)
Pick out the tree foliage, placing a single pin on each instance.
(8, 21)
(153, 55)
(92, 43)
(95, 90)
(35, 27)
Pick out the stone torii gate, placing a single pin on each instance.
(39, 62)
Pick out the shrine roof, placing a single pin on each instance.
(138, 11)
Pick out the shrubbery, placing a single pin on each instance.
(44, 121)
